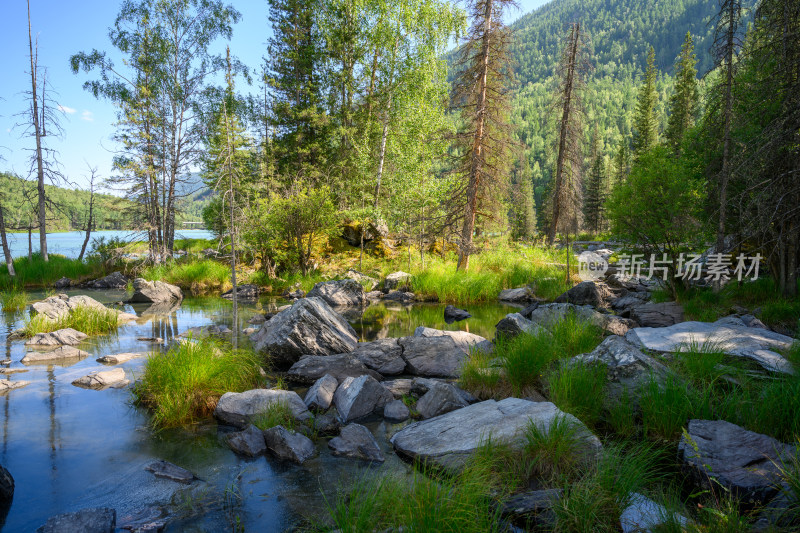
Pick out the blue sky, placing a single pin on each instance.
(66, 27)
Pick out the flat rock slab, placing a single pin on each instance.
(7, 385)
(289, 445)
(248, 442)
(356, 441)
(383, 356)
(167, 470)
(119, 358)
(447, 441)
(341, 366)
(53, 356)
(340, 293)
(60, 337)
(102, 379)
(757, 344)
(310, 327)
(238, 408)
(742, 461)
(95, 520)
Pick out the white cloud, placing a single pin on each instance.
(88, 116)
(66, 109)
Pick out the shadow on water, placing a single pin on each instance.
(69, 448)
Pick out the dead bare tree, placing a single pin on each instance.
(90, 219)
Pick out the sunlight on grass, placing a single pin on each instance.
(88, 320)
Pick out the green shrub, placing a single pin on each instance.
(88, 320)
(186, 382)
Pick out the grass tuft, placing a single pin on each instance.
(579, 390)
(276, 414)
(14, 300)
(88, 320)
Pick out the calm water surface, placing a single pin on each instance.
(70, 448)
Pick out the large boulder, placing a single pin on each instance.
(115, 280)
(320, 394)
(383, 356)
(357, 442)
(248, 442)
(359, 397)
(760, 345)
(628, 367)
(441, 398)
(94, 520)
(520, 294)
(465, 341)
(59, 355)
(432, 356)
(397, 281)
(449, 440)
(586, 293)
(352, 232)
(312, 367)
(741, 461)
(103, 379)
(289, 445)
(340, 293)
(238, 408)
(154, 292)
(309, 326)
(60, 337)
(657, 315)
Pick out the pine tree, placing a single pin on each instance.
(622, 164)
(522, 216)
(594, 197)
(645, 122)
(684, 101)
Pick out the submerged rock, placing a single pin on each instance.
(359, 397)
(312, 367)
(339, 293)
(320, 395)
(248, 291)
(760, 345)
(95, 520)
(447, 441)
(7, 385)
(383, 356)
(289, 445)
(309, 326)
(60, 337)
(357, 442)
(102, 379)
(238, 408)
(741, 461)
(62, 353)
(454, 314)
(400, 296)
(167, 470)
(249, 442)
(154, 292)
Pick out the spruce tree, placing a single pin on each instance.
(522, 216)
(645, 122)
(684, 101)
(622, 164)
(594, 195)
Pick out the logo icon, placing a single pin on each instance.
(591, 266)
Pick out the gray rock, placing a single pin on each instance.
(752, 322)
(396, 411)
(586, 293)
(249, 442)
(166, 470)
(628, 368)
(398, 387)
(521, 294)
(154, 292)
(432, 356)
(62, 353)
(369, 283)
(447, 441)
(102, 379)
(357, 442)
(320, 395)
(61, 305)
(465, 341)
(339, 293)
(7, 385)
(352, 232)
(327, 423)
(400, 296)
(115, 280)
(94, 520)
(533, 508)
(119, 358)
(374, 295)
(257, 319)
(397, 281)
(441, 398)
(760, 345)
(383, 356)
(6, 485)
(238, 408)
(657, 315)
(249, 331)
(359, 397)
(60, 337)
(289, 445)
(548, 314)
(741, 461)
(454, 314)
(248, 291)
(312, 367)
(624, 304)
(63, 283)
(644, 515)
(309, 326)
(514, 324)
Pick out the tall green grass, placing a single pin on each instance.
(185, 383)
(14, 300)
(38, 273)
(88, 320)
(579, 390)
(196, 276)
(276, 414)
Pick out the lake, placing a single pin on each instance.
(69, 243)
(70, 448)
